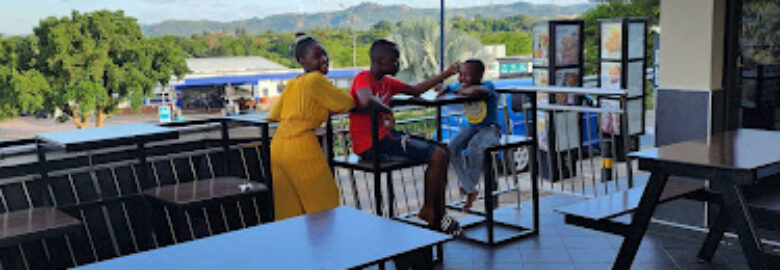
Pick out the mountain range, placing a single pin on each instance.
(361, 16)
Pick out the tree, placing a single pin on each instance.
(419, 44)
(517, 43)
(96, 60)
(383, 26)
(21, 88)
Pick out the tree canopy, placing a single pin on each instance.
(84, 64)
(419, 45)
(97, 60)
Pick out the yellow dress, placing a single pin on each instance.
(302, 180)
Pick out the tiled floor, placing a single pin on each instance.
(560, 246)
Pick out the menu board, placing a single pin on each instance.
(610, 75)
(541, 44)
(611, 40)
(567, 45)
(636, 40)
(566, 77)
(635, 78)
(610, 122)
(541, 77)
(541, 131)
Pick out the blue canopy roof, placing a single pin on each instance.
(253, 79)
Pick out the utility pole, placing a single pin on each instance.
(441, 37)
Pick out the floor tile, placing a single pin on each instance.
(592, 255)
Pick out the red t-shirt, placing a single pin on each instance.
(360, 123)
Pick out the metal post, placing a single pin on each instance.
(626, 140)
(266, 152)
(441, 38)
(438, 124)
(532, 162)
(489, 199)
(375, 162)
(42, 162)
(329, 143)
(225, 145)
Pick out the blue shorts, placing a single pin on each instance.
(391, 147)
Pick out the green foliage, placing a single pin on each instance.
(419, 45)
(481, 25)
(517, 43)
(97, 60)
(511, 31)
(340, 42)
(616, 9)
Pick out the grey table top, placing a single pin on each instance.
(94, 138)
(336, 239)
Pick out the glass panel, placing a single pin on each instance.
(635, 116)
(759, 72)
(636, 39)
(635, 79)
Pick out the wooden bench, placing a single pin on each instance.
(33, 224)
(200, 193)
(220, 184)
(596, 214)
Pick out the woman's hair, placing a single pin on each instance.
(303, 42)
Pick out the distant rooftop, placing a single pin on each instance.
(232, 65)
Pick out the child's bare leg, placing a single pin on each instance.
(435, 185)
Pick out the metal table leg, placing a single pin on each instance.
(640, 220)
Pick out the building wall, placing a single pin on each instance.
(690, 88)
(691, 67)
(692, 44)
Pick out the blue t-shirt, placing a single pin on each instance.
(481, 113)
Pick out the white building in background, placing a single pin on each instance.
(217, 82)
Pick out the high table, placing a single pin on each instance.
(342, 238)
(730, 161)
(432, 99)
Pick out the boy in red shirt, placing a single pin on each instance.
(374, 88)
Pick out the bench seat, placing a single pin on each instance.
(624, 202)
(195, 193)
(354, 162)
(34, 223)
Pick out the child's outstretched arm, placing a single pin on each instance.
(418, 89)
(473, 90)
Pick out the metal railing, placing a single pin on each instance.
(580, 160)
(585, 147)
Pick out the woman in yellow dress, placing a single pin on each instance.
(302, 180)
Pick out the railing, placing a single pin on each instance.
(588, 152)
(582, 153)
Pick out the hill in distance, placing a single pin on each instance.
(361, 16)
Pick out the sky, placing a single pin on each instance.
(19, 17)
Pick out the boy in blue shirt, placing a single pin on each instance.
(482, 130)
